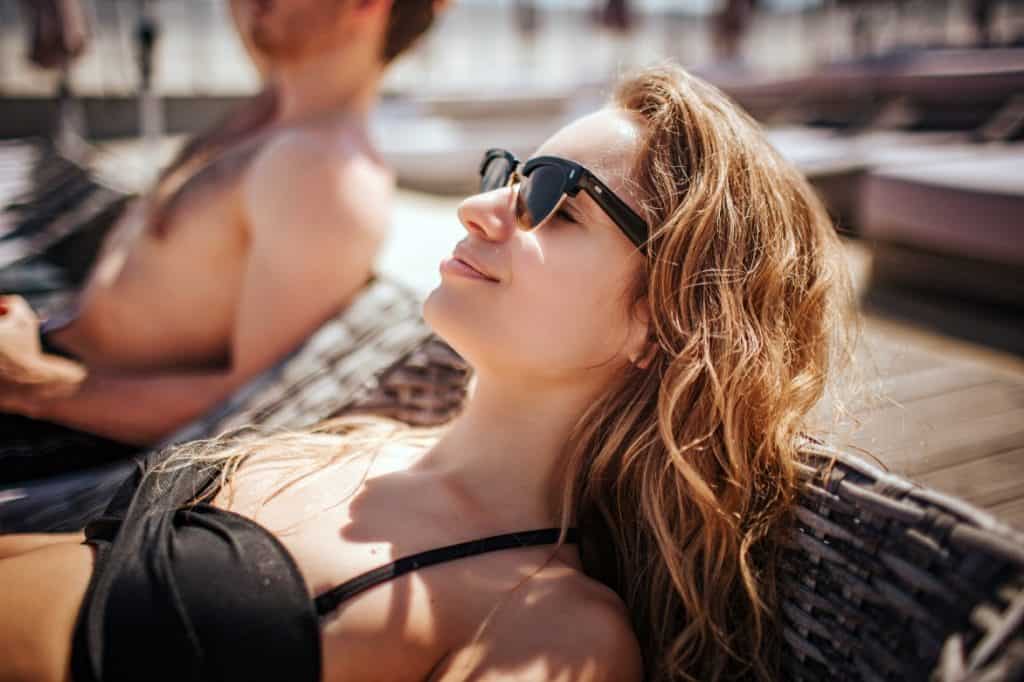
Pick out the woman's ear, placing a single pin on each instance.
(640, 346)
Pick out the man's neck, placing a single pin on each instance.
(327, 85)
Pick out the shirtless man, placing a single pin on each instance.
(241, 252)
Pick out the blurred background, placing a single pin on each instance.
(907, 116)
(886, 105)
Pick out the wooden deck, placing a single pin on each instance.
(946, 413)
(947, 421)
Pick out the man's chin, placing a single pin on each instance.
(274, 48)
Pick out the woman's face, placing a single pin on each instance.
(553, 304)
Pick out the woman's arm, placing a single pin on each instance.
(41, 592)
(20, 543)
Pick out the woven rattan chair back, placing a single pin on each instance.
(886, 580)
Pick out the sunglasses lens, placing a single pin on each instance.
(495, 174)
(538, 195)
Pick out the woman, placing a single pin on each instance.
(648, 305)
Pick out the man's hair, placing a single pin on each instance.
(409, 20)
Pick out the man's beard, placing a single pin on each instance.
(281, 45)
(295, 34)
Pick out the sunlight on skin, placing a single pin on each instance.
(526, 614)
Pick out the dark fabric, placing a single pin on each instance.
(200, 593)
(195, 593)
(208, 596)
(31, 450)
(333, 598)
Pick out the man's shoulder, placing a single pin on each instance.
(326, 150)
(322, 171)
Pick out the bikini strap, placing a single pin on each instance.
(331, 599)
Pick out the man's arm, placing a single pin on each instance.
(316, 219)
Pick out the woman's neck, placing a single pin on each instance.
(504, 452)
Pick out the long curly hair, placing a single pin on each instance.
(682, 477)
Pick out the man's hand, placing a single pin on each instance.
(27, 374)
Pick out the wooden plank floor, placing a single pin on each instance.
(946, 413)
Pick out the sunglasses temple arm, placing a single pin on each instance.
(618, 210)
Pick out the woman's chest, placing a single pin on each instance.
(393, 622)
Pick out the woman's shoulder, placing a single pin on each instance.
(560, 624)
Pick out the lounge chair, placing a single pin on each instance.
(55, 214)
(884, 579)
(948, 243)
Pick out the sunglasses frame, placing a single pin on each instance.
(576, 178)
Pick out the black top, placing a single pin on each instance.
(201, 593)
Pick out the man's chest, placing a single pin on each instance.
(191, 222)
(197, 198)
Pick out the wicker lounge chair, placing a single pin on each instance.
(47, 196)
(948, 244)
(55, 214)
(886, 580)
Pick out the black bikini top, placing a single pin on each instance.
(331, 599)
(203, 593)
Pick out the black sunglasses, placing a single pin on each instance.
(545, 182)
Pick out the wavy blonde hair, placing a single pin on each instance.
(682, 478)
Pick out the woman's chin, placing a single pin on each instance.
(448, 315)
(441, 314)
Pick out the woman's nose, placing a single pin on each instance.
(489, 215)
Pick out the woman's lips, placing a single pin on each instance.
(460, 268)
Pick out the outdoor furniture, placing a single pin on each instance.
(837, 164)
(54, 214)
(378, 356)
(954, 89)
(886, 580)
(924, 89)
(969, 206)
(948, 243)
